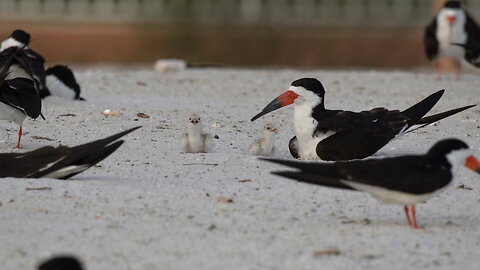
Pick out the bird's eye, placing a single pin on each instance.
(189, 119)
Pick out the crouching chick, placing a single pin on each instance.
(265, 145)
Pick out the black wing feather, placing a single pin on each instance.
(430, 39)
(38, 163)
(21, 94)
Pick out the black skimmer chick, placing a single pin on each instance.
(61, 263)
(344, 135)
(405, 180)
(28, 63)
(452, 24)
(265, 146)
(61, 82)
(194, 140)
(60, 162)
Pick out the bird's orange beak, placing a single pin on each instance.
(451, 19)
(283, 100)
(473, 164)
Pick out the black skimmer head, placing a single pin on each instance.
(456, 153)
(18, 38)
(61, 263)
(302, 91)
(452, 12)
(61, 82)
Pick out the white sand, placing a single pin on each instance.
(149, 207)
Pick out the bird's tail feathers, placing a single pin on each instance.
(425, 121)
(417, 111)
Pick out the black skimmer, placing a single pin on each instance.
(405, 180)
(194, 140)
(61, 82)
(344, 135)
(60, 162)
(18, 98)
(265, 146)
(452, 24)
(61, 263)
(28, 63)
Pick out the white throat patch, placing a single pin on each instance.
(458, 157)
(10, 42)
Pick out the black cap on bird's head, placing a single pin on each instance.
(298, 88)
(21, 36)
(452, 4)
(61, 263)
(454, 150)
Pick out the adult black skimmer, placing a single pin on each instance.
(61, 82)
(344, 135)
(18, 97)
(194, 140)
(60, 162)
(452, 24)
(405, 180)
(61, 263)
(28, 63)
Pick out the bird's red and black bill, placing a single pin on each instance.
(473, 164)
(283, 100)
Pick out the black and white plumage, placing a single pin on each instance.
(405, 180)
(345, 135)
(452, 24)
(472, 53)
(61, 82)
(28, 63)
(18, 98)
(194, 140)
(60, 162)
(61, 263)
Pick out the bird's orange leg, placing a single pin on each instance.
(415, 224)
(405, 207)
(437, 69)
(458, 65)
(19, 138)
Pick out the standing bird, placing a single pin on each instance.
(344, 135)
(60, 162)
(405, 180)
(18, 97)
(194, 140)
(452, 24)
(28, 63)
(61, 82)
(264, 146)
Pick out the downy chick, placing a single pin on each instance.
(265, 145)
(194, 141)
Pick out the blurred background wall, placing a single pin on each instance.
(293, 33)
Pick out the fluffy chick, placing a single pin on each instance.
(194, 140)
(265, 145)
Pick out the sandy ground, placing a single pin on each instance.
(150, 207)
